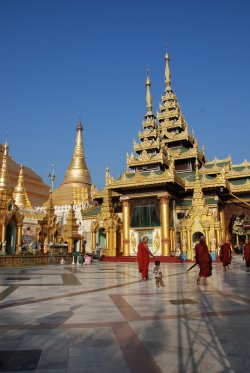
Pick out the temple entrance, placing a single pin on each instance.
(102, 238)
(196, 237)
(10, 239)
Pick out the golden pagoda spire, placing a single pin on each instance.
(78, 171)
(167, 71)
(20, 196)
(148, 96)
(4, 177)
(107, 175)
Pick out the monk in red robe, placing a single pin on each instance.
(225, 255)
(204, 260)
(247, 254)
(143, 254)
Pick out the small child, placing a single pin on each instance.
(88, 258)
(158, 274)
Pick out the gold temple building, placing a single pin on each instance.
(169, 191)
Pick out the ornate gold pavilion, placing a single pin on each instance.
(169, 191)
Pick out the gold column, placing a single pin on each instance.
(93, 240)
(70, 246)
(165, 228)
(218, 239)
(3, 233)
(189, 246)
(114, 241)
(237, 239)
(126, 224)
(4, 238)
(171, 239)
(206, 235)
(174, 239)
(223, 225)
(19, 238)
(108, 242)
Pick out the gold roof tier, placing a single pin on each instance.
(37, 191)
(20, 196)
(76, 185)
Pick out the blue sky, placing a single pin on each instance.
(62, 57)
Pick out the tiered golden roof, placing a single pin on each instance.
(167, 154)
(76, 185)
(20, 195)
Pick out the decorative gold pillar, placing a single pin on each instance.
(3, 238)
(189, 245)
(206, 235)
(3, 233)
(114, 242)
(126, 224)
(107, 240)
(93, 240)
(70, 246)
(171, 239)
(165, 228)
(174, 239)
(19, 238)
(223, 224)
(237, 240)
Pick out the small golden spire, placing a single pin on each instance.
(4, 177)
(196, 169)
(20, 196)
(107, 175)
(148, 95)
(78, 171)
(167, 71)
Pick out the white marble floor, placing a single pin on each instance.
(102, 318)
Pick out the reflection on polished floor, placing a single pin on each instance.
(102, 318)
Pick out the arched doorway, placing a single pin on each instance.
(102, 238)
(196, 237)
(10, 238)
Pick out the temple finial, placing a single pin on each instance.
(167, 71)
(107, 175)
(148, 94)
(4, 176)
(52, 177)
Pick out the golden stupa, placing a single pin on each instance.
(36, 190)
(76, 185)
(20, 195)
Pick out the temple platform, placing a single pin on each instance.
(102, 318)
(162, 259)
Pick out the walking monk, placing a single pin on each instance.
(204, 260)
(143, 258)
(247, 254)
(225, 254)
